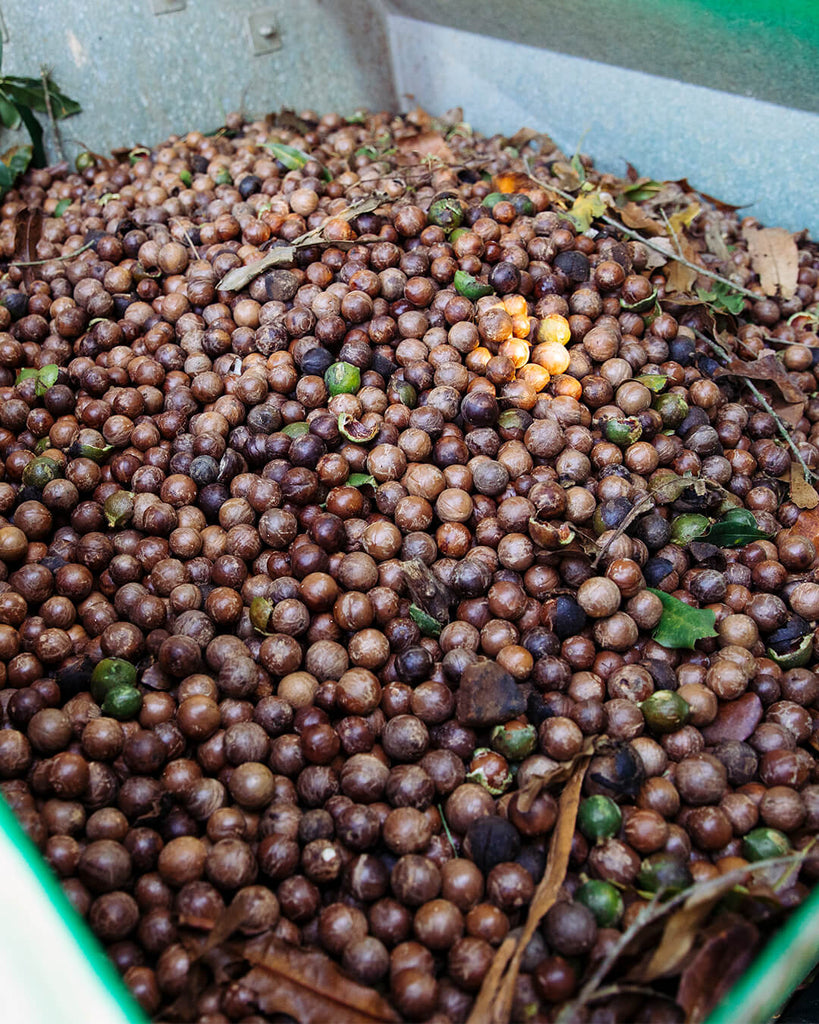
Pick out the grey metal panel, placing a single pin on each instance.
(742, 150)
(141, 76)
(767, 49)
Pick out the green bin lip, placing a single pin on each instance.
(786, 960)
(75, 927)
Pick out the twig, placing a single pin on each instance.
(643, 504)
(53, 259)
(672, 232)
(284, 256)
(766, 405)
(637, 237)
(58, 143)
(653, 911)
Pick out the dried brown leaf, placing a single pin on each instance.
(775, 258)
(561, 771)
(427, 143)
(681, 278)
(766, 368)
(680, 934)
(28, 227)
(309, 987)
(720, 205)
(633, 216)
(803, 494)
(789, 412)
(714, 241)
(428, 592)
(523, 136)
(727, 951)
(494, 1002)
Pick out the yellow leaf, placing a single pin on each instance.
(585, 208)
(682, 218)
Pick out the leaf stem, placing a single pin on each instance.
(653, 911)
(766, 405)
(445, 823)
(637, 237)
(53, 259)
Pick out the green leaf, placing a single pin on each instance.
(292, 158)
(8, 113)
(737, 527)
(61, 207)
(35, 131)
(31, 93)
(19, 160)
(25, 374)
(360, 479)
(426, 623)
(469, 286)
(655, 382)
(186, 178)
(46, 378)
(642, 190)
(578, 168)
(370, 152)
(681, 625)
(642, 305)
(723, 298)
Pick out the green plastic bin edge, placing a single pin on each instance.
(786, 960)
(75, 926)
(784, 963)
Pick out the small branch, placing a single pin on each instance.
(766, 405)
(662, 904)
(53, 259)
(284, 256)
(643, 504)
(637, 237)
(58, 143)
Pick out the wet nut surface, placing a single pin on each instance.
(315, 589)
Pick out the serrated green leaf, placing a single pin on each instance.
(723, 298)
(61, 207)
(426, 623)
(681, 625)
(737, 527)
(360, 479)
